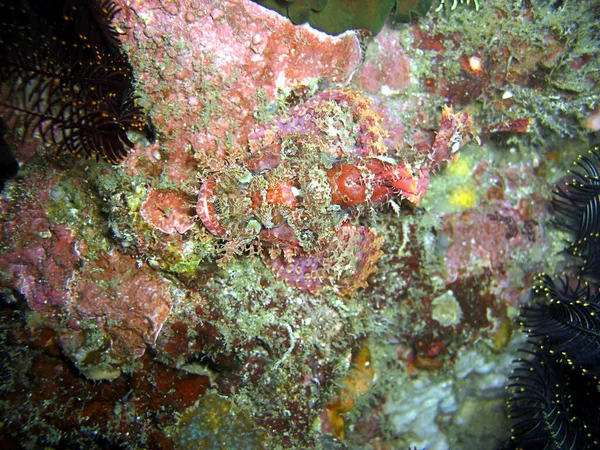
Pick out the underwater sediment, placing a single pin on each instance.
(281, 238)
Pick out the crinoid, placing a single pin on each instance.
(554, 405)
(554, 389)
(578, 207)
(73, 88)
(566, 316)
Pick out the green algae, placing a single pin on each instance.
(408, 10)
(186, 263)
(80, 209)
(216, 422)
(337, 16)
(545, 77)
(334, 16)
(265, 110)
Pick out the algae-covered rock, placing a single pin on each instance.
(216, 422)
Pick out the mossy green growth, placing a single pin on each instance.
(548, 75)
(81, 210)
(216, 422)
(336, 16)
(195, 252)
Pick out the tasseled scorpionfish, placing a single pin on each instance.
(308, 177)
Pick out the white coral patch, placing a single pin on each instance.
(446, 310)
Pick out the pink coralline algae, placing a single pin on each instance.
(485, 238)
(129, 302)
(386, 64)
(115, 306)
(318, 167)
(221, 60)
(42, 268)
(482, 240)
(46, 255)
(167, 211)
(260, 148)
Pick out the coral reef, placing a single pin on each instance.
(297, 255)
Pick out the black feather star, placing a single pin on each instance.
(578, 207)
(554, 405)
(566, 314)
(74, 90)
(554, 391)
